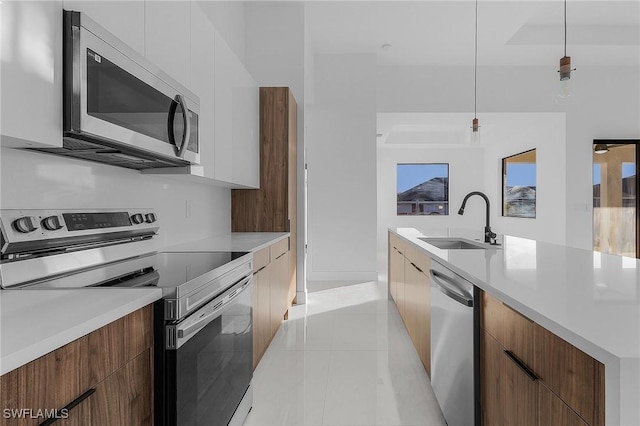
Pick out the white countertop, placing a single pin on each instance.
(36, 322)
(234, 241)
(590, 299)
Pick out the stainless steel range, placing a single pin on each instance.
(203, 330)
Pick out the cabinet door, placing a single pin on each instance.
(508, 395)
(262, 314)
(31, 70)
(237, 152)
(202, 84)
(167, 38)
(121, 18)
(574, 376)
(279, 290)
(553, 411)
(125, 397)
(423, 329)
(49, 382)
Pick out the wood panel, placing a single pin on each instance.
(49, 382)
(132, 384)
(113, 345)
(423, 329)
(279, 248)
(266, 209)
(292, 195)
(511, 329)
(261, 259)
(279, 290)
(490, 383)
(519, 395)
(273, 207)
(553, 411)
(262, 309)
(574, 376)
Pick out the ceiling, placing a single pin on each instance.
(510, 32)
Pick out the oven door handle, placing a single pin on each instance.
(203, 316)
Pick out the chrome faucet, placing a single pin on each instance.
(489, 236)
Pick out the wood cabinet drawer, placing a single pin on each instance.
(261, 259)
(278, 249)
(396, 242)
(115, 344)
(511, 329)
(574, 376)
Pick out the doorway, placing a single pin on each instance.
(615, 201)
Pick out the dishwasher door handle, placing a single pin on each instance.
(449, 287)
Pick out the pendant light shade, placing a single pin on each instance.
(475, 125)
(567, 80)
(601, 148)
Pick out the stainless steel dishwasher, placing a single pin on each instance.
(452, 345)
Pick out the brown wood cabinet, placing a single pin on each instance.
(270, 294)
(114, 361)
(273, 207)
(530, 376)
(410, 288)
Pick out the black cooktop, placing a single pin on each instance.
(177, 268)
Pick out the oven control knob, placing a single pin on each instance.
(149, 217)
(25, 224)
(137, 218)
(51, 223)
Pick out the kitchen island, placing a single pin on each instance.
(587, 298)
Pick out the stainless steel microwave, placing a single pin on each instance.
(118, 107)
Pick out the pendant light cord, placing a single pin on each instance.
(475, 68)
(565, 28)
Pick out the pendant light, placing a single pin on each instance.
(475, 126)
(567, 83)
(601, 148)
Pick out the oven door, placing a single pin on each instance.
(209, 366)
(113, 94)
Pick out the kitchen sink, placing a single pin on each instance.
(455, 243)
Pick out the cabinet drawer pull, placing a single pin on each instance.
(69, 406)
(416, 266)
(520, 365)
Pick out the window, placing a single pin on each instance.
(423, 189)
(519, 185)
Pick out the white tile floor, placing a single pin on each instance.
(344, 358)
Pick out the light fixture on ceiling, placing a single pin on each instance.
(601, 148)
(386, 47)
(567, 83)
(475, 126)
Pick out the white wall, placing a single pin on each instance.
(341, 155)
(513, 133)
(606, 105)
(35, 180)
(466, 174)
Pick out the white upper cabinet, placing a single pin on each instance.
(124, 19)
(202, 84)
(237, 151)
(31, 82)
(167, 37)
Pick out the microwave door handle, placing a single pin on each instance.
(179, 100)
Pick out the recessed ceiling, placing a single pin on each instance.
(510, 32)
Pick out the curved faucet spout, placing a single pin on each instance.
(488, 234)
